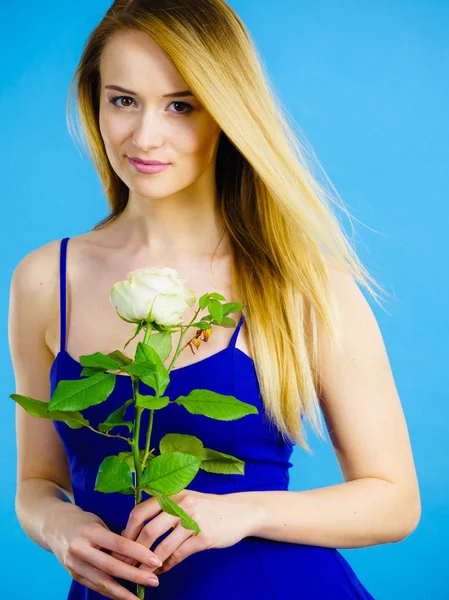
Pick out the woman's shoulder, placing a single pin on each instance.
(356, 323)
(37, 272)
(34, 283)
(38, 267)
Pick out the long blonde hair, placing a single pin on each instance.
(279, 217)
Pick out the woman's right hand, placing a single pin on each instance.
(84, 543)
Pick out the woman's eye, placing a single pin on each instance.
(189, 106)
(113, 101)
(182, 104)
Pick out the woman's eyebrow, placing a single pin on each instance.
(171, 95)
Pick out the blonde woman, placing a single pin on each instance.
(234, 208)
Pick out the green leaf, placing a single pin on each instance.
(37, 408)
(99, 360)
(160, 378)
(117, 356)
(34, 407)
(221, 463)
(114, 475)
(151, 402)
(116, 417)
(79, 394)
(162, 344)
(232, 307)
(141, 369)
(216, 406)
(172, 508)
(105, 428)
(181, 442)
(203, 301)
(216, 310)
(212, 461)
(216, 296)
(89, 371)
(120, 357)
(73, 418)
(201, 324)
(225, 322)
(218, 313)
(207, 319)
(170, 473)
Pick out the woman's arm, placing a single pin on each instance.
(380, 500)
(44, 487)
(355, 514)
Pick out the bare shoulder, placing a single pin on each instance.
(33, 296)
(36, 273)
(36, 276)
(43, 262)
(362, 345)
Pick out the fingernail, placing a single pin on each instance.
(155, 562)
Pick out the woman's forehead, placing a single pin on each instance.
(133, 57)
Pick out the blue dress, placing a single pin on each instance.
(254, 568)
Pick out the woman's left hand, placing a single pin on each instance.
(224, 519)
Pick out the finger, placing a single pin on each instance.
(98, 581)
(117, 543)
(168, 546)
(172, 542)
(151, 532)
(144, 511)
(126, 559)
(112, 566)
(184, 543)
(119, 556)
(159, 526)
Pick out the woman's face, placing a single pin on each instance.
(166, 128)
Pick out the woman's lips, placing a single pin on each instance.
(143, 168)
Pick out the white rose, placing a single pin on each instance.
(133, 298)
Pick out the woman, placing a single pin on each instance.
(236, 210)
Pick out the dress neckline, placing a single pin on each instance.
(63, 324)
(173, 371)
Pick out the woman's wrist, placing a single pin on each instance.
(59, 515)
(255, 511)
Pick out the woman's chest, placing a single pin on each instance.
(93, 325)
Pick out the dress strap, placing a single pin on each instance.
(62, 291)
(233, 341)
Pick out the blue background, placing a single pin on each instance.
(368, 84)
